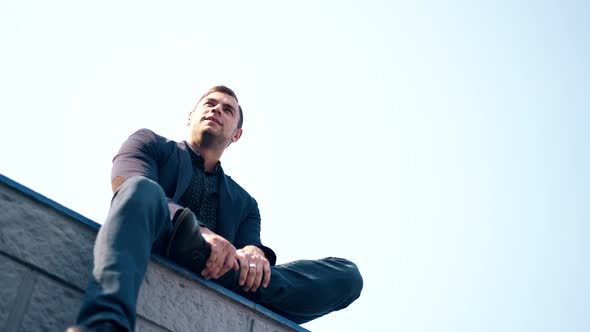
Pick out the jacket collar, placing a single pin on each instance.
(185, 173)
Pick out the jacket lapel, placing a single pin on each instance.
(185, 170)
(226, 216)
(227, 220)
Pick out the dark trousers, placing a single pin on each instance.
(139, 224)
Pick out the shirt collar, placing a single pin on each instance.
(199, 161)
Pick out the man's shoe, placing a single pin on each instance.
(187, 246)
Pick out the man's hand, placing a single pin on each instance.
(254, 268)
(222, 258)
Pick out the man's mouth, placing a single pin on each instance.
(214, 119)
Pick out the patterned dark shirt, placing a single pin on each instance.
(202, 193)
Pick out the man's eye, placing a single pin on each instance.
(208, 103)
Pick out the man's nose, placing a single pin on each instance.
(216, 109)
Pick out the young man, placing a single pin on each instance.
(173, 199)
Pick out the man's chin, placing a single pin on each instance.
(211, 131)
(209, 136)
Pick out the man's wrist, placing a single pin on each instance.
(205, 230)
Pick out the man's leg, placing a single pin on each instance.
(307, 289)
(138, 218)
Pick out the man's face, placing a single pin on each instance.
(216, 115)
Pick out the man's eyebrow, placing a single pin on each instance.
(213, 99)
(207, 99)
(230, 106)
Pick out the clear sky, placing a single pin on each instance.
(441, 145)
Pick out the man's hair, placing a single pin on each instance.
(227, 91)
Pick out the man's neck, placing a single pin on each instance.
(211, 156)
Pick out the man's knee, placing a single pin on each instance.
(350, 277)
(141, 192)
(355, 280)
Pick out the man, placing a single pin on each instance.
(173, 199)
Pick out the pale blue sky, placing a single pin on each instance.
(440, 145)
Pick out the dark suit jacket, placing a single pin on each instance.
(169, 164)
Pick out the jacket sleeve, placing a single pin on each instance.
(249, 233)
(139, 156)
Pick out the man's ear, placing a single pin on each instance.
(237, 135)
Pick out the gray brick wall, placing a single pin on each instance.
(45, 259)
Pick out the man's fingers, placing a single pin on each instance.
(208, 274)
(217, 268)
(254, 269)
(267, 272)
(222, 257)
(258, 276)
(243, 271)
(205, 271)
(213, 257)
(212, 264)
(249, 279)
(221, 260)
(227, 265)
(230, 260)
